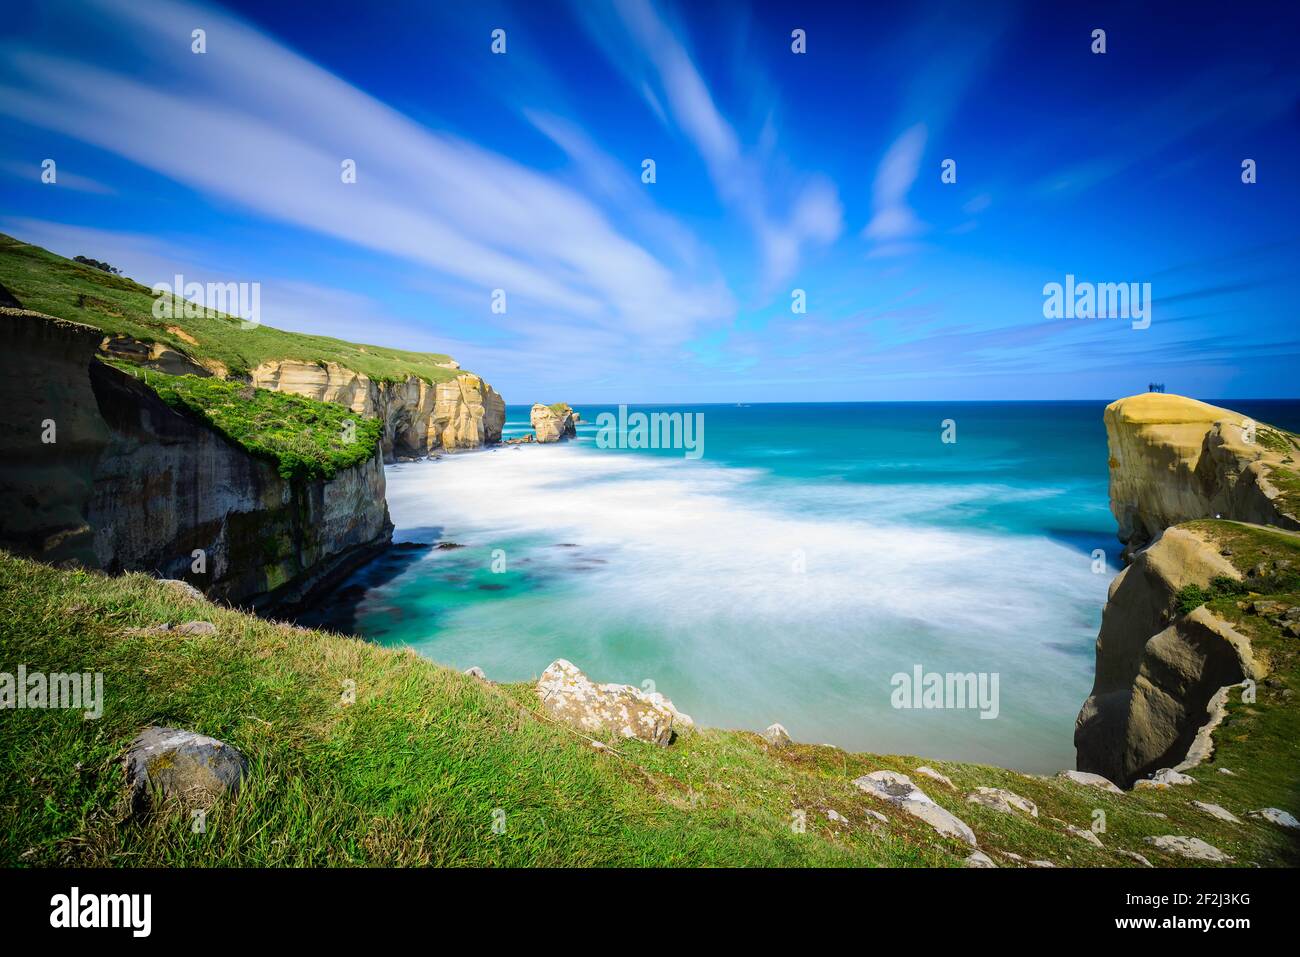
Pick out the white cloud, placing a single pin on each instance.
(893, 219)
(261, 126)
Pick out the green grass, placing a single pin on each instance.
(559, 408)
(45, 282)
(412, 773)
(304, 438)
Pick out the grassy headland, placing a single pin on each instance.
(48, 283)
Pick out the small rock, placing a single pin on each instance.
(1137, 857)
(878, 816)
(1276, 816)
(899, 790)
(1214, 810)
(1085, 834)
(175, 764)
(475, 671)
(1092, 780)
(183, 588)
(1192, 847)
(836, 816)
(777, 736)
(1226, 771)
(1165, 777)
(978, 859)
(934, 775)
(195, 628)
(1002, 800)
(1264, 607)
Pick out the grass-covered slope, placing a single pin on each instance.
(306, 439)
(48, 283)
(412, 773)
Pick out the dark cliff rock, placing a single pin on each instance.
(97, 470)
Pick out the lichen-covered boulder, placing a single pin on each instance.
(1192, 847)
(570, 696)
(173, 764)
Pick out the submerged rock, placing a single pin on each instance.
(898, 790)
(174, 764)
(570, 696)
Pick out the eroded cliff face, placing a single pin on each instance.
(1173, 459)
(553, 425)
(1157, 671)
(419, 417)
(128, 483)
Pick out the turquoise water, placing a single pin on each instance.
(810, 554)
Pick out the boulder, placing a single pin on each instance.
(777, 736)
(978, 859)
(1192, 847)
(570, 697)
(476, 672)
(1084, 834)
(898, 790)
(999, 799)
(1164, 778)
(552, 423)
(183, 589)
(184, 766)
(1276, 816)
(1091, 780)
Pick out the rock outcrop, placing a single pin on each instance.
(552, 423)
(1173, 459)
(1157, 671)
(572, 698)
(1162, 677)
(95, 469)
(170, 764)
(419, 417)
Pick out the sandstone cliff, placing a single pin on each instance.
(1173, 459)
(1157, 670)
(552, 423)
(419, 417)
(122, 481)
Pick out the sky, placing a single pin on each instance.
(779, 176)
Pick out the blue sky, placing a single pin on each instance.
(775, 172)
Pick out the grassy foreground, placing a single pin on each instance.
(417, 770)
(48, 283)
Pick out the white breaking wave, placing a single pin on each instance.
(749, 601)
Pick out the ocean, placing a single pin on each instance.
(808, 556)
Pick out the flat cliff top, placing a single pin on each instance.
(45, 282)
(422, 764)
(1160, 408)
